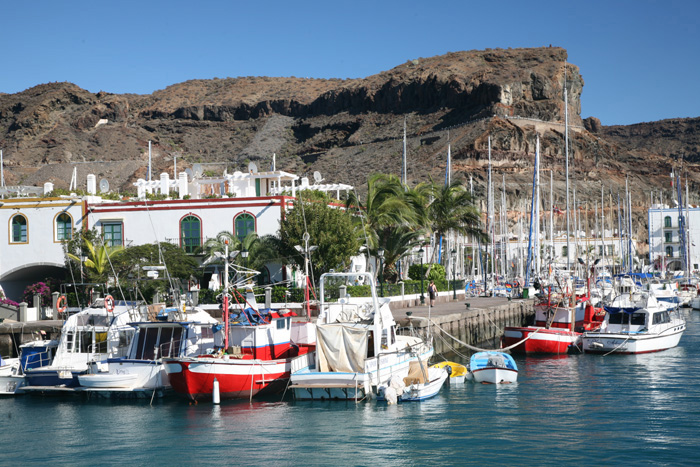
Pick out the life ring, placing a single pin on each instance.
(109, 303)
(61, 304)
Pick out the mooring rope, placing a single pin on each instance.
(478, 349)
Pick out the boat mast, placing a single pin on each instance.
(602, 222)
(504, 229)
(404, 180)
(533, 213)
(629, 237)
(687, 229)
(489, 207)
(551, 220)
(566, 143)
(538, 256)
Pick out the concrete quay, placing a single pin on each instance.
(480, 324)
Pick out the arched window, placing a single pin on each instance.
(190, 233)
(667, 221)
(18, 229)
(669, 251)
(64, 227)
(243, 224)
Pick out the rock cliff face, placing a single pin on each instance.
(348, 129)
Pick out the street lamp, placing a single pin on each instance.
(380, 253)
(422, 295)
(244, 255)
(454, 276)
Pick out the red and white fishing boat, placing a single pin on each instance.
(560, 320)
(262, 349)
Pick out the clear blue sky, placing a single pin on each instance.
(640, 60)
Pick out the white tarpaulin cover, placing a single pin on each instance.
(341, 348)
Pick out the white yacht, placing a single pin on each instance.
(93, 334)
(141, 372)
(641, 329)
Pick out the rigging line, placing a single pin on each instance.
(75, 288)
(116, 276)
(160, 253)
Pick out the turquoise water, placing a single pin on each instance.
(582, 409)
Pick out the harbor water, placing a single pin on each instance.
(582, 409)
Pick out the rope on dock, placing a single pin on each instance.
(477, 349)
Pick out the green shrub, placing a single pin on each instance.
(437, 272)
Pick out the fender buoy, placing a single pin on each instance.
(109, 303)
(61, 304)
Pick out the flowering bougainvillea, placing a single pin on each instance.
(7, 301)
(39, 288)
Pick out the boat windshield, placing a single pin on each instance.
(635, 319)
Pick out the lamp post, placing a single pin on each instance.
(380, 253)
(244, 254)
(422, 295)
(454, 275)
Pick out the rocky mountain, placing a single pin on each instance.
(348, 129)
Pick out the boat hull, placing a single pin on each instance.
(541, 340)
(420, 392)
(237, 378)
(108, 380)
(332, 385)
(632, 343)
(11, 384)
(495, 375)
(45, 378)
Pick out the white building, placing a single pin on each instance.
(194, 210)
(665, 238)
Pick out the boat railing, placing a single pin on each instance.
(42, 358)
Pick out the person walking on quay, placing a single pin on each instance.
(432, 293)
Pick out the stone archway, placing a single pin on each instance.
(16, 280)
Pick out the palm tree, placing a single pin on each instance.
(389, 205)
(98, 258)
(451, 208)
(392, 217)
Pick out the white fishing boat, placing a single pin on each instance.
(493, 367)
(648, 328)
(358, 348)
(422, 383)
(141, 372)
(94, 334)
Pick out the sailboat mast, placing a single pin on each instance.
(551, 217)
(538, 256)
(687, 229)
(566, 143)
(491, 229)
(404, 180)
(602, 222)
